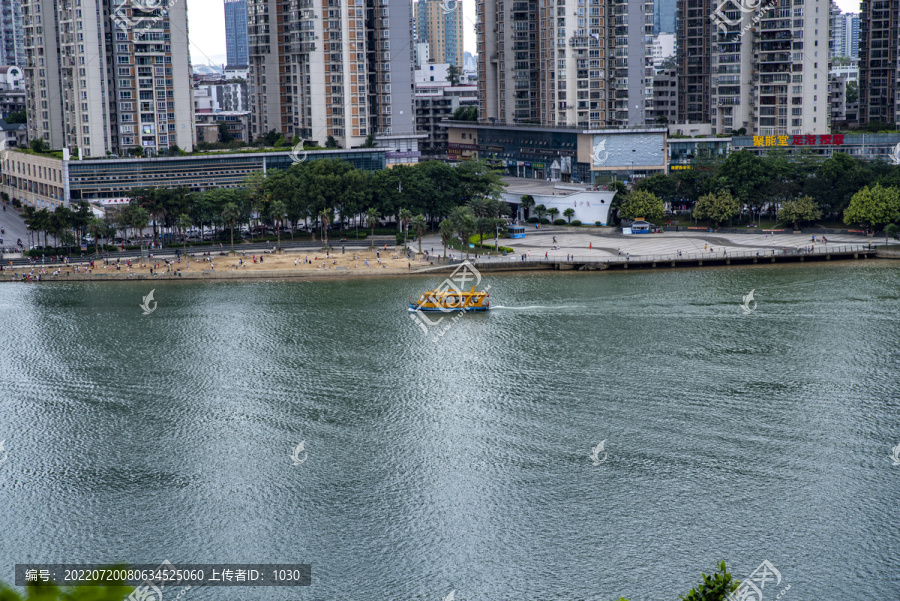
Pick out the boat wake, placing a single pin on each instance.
(530, 307)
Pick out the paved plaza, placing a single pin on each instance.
(591, 245)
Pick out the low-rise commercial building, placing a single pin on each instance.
(51, 180)
(872, 147)
(561, 154)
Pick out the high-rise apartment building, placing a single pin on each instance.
(440, 24)
(105, 77)
(879, 62)
(236, 43)
(693, 42)
(341, 68)
(845, 35)
(584, 63)
(767, 70)
(664, 12)
(12, 37)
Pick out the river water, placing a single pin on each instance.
(462, 462)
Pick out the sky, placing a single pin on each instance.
(206, 24)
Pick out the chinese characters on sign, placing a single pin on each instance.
(835, 140)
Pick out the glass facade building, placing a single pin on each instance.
(237, 46)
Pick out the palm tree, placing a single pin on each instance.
(230, 214)
(325, 215)
(139, 220)
(276, 211)
(464, 224)
(405, 217)
(569, 213)
(446, 229)
(541, 210)
(96, 227)
(553, 212)
(184, 222)
(372, 218)
(526, 202)
(420, 225)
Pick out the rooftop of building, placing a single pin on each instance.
(521, 186)
(483, 124)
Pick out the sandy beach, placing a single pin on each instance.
(249, 265)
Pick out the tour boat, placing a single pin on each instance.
(451, 300)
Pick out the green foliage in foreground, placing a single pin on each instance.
(51, 592)
(716, 587)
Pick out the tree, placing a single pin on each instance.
(330, 142)
(852, 92)
(446, 229)
(891, 230)
(224, 135)
(16, 117)
(717, 207)
(372, 218)
(230, 214)
(874, 206)
(713, 588)
(801, 209)
(453, 74)
(420, 225)
(569, 213)
(370, 142)
(326, 216)
(184, 222)
(541, 210)
(463, 221)
(553, 212)
(465, 113)
(39, 145)
(405, 217)
(97, 228)
(276, 211)
(642, 204)
(661, 185)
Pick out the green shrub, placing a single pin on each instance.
(399, 239)
(545, 221)
(575, 222)
(713, 588)
(598, 223)
(532, 220)
(560, 222)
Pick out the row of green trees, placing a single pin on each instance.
(320, 192)
(802, 190)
